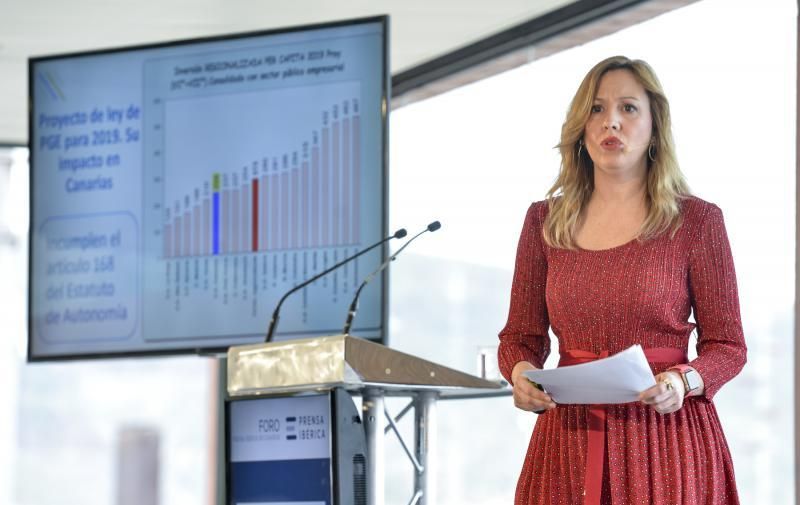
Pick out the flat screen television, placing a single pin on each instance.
(179, 189)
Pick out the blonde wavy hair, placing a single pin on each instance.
(573, 187)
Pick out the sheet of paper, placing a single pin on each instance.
(616, 379)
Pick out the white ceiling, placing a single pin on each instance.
(420, 29)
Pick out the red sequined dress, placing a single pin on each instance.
(599, 302)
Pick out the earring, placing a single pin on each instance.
(651, 151)
(580, 147)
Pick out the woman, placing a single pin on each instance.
(619, 254)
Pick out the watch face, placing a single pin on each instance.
(692, 379)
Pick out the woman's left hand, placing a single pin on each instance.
(667, 395)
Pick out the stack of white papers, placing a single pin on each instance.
(616, 379)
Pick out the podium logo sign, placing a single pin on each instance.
(286, 428)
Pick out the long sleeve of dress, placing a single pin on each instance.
(721, 350)
(641, 292)
(525, 335)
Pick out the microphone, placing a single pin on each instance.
(351, 312)
(274, 322)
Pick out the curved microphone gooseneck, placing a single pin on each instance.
(351, 312)
(274, 321)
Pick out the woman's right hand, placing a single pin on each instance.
(526, 395)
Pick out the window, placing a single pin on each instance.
(476, 157)
(145, 411)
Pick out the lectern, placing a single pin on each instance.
(360, 367)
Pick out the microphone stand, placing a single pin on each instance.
(351, 312)
(274, 321)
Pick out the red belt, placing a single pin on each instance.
(596, 426)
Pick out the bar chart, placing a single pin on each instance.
(298, 199)
(266, 191)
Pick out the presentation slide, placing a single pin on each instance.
(178, 191)
(280, 451)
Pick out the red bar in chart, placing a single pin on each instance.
(336, 207)
(167, 241)
(356, 177)
(177, 235)
(305, 218)
(215, 180)
(196, 232)
(225, 218)
(255, 215)
(167, 233)
(264, 228)
(187, 233)
(246, 236)
(206, 227)
(346, 180)
(274, 213)
(315, 204)
(234, 244)
(325, 215)
(295, 228)
(284, 210)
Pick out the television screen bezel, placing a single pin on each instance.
(382, 336)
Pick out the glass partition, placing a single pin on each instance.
(477, 156)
